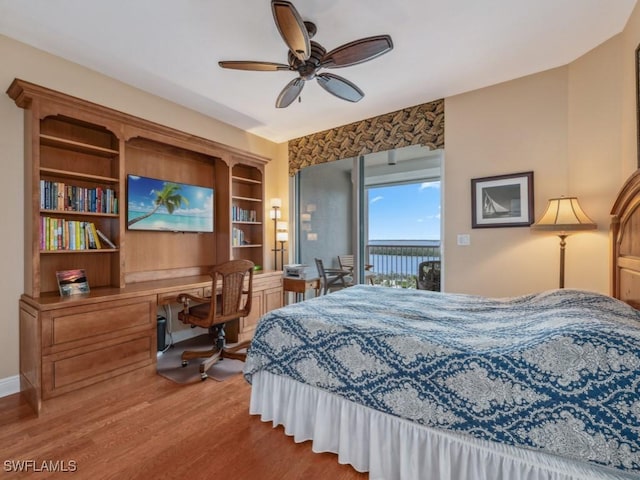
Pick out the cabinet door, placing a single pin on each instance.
(257, 309)
(272, 299)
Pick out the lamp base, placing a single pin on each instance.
(563, 244)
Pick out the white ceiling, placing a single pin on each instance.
(171, 48)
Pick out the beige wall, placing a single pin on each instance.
(575, 127)
(513, 127)
(21, 61)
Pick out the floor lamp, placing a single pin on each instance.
(564, 215)
(276, 205)
(282, 236)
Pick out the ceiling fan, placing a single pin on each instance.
(307, 57)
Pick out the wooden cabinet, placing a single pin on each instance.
(63, 348)
(247, 194)
(78, 156)
(80, 151)
(267, 296)
(73, 190)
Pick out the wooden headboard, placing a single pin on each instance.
(625, 243)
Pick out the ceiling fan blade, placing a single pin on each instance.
(250, 65)
(358, 51)
(290, 92)
(291, 28)
(340, 87)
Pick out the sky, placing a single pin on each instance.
(405, 212)
(142, 193)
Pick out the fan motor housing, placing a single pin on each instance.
(308, 68)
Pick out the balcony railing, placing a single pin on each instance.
(395, 262)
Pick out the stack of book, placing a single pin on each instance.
(59, 196)
(62, 234)
(241, 215)
(237, 237)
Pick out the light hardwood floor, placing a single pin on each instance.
(152, 428)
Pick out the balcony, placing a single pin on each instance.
(395, 262)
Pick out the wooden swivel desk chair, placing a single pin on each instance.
(332, 278)
(230, 299)
(346, 263)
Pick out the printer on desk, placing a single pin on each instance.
(296, 270)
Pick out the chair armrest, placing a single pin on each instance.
(185, 298)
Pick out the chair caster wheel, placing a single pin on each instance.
(203, 376)
(185, 363)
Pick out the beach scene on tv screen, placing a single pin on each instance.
(154, 204)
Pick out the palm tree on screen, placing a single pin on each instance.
(168, 197)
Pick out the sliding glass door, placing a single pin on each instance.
(371, 207)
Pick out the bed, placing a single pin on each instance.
(411, 384)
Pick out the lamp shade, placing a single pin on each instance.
(564, 214)
(282, 236)
(276, 203)
(281, 226)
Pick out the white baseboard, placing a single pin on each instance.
(9, 385)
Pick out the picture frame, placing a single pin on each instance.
(72, 282)
(502, 201)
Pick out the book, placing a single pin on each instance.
(94, 234)
(91, 239)
(72, 282)
(105, 239)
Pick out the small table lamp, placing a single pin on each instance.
(564, 215)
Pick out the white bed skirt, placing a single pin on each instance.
(390, 448)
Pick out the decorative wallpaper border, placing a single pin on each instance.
(419, 125)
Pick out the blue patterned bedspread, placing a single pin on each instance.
(557, 371)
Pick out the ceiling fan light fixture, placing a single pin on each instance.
(307, 58)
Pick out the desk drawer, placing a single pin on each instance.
(172, 297)
(68, 371)
(73, 327)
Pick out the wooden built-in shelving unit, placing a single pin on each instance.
(68, 343)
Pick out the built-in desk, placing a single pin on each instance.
(67, 343)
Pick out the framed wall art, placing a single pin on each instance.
(502, 201)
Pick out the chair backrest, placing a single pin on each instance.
(320, 268)
(429, 275)
(346, 262)
(231, 276)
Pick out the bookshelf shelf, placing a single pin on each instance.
(61, 142)
(247, 199)
(247, 193)
(79, 214)
(75, 252)
(246, 180)
(53, 172)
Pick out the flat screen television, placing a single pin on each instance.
(167, 206)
